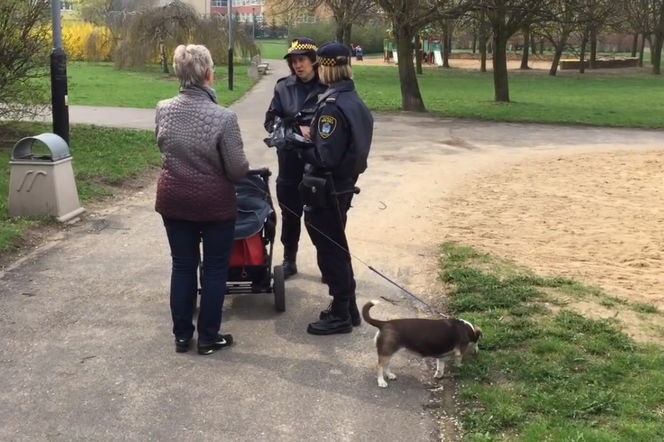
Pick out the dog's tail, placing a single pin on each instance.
(367, 317)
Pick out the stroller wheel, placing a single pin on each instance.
(279, 289)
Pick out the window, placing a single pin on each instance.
(219, 3)
(67, 6)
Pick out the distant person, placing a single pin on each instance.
(359, 54)
(294, 101)
(202, 154)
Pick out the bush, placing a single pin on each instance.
(87, 42)
(370, 35)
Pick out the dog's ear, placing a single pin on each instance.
(478, 333)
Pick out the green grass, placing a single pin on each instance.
(546, 374)
(99, 84)
(103, 159)
(598, 99)
(273, 49)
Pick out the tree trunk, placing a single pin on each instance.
(650, 45)
(642, 49)
(411, 98)
(445, 50)
(474, 47)
(340, 33)
(499, 59)
(635, 44)
(558, 54)
(593, 49)
(418, 55)
(448, 43)
(582, 53)
(656, 53)
(526, 48)
(483, 43)
(541, 44)
(533, 46)
(348, 32)
(162, 54)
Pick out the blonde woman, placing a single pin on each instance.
(341, 134)
(203, 154)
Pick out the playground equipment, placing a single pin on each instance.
(430, 48)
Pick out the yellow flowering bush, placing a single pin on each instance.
(87, 42)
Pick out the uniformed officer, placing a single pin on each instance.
(341, 135)
(294, 101)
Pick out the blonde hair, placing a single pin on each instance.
(334, 74)
(191, 63)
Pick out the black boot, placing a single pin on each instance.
(355, 317)
(290, 267)
(338, 321)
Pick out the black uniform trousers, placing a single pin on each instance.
(327, 230)
(291, 170)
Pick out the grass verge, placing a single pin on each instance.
(548, 374)
(100, 84)
(273, 49)
(103, 159)
(596, 98)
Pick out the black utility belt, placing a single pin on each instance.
(320, 192)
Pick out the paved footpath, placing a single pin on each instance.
(86, 349)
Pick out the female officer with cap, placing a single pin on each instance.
(341, 135)
(294, 101)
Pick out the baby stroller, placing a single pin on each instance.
(251, 270)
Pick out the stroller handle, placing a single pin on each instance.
(262, 172)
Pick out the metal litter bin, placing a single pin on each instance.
(43, 185)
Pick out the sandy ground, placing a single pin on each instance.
(597, 217)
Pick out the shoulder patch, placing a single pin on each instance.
(326, 126)
(330, 100)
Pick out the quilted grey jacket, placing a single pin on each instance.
(202, 154)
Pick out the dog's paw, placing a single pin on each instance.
(391, 376)
(438, 375)
(382, 383)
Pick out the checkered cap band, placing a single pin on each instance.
(326, 61)
(302, 47)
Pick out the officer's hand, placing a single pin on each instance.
(305, 132)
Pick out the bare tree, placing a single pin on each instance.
(24, 47)
(408, 17)
(561, 21)
(656, 48)
(506, 18)
(346, 13)
(593, 16)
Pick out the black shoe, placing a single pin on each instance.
(182, 345)
(355, 317)
(323, 280)
(336, 322)
(290, 268)
(223, 341)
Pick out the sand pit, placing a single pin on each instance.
(596, 217)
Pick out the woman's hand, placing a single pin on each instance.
(305, 132)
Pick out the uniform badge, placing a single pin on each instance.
(326, 126)
(319, 95)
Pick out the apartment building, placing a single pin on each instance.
(245, 10)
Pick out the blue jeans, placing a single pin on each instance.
(184, 238)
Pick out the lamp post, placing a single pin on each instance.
(59, 105)
(253, 23)
(231, 44)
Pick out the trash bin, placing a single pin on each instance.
(43, 185)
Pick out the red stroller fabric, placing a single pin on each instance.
(248, 252)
